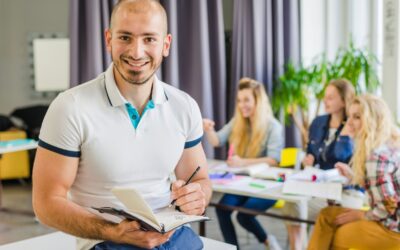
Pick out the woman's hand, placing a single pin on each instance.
(349, 215)
(344, 170)
(208, 125)
(308, 160)
(347, 131)
(236, 161)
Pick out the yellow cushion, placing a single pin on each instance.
(279, 204)
(16, 164)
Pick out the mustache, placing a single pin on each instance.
(127, 57)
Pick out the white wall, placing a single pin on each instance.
(18, 19)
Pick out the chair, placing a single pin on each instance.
(31, 118)
(14, 165)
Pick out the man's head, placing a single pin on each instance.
(137, 39)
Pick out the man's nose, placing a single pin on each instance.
(136, 49)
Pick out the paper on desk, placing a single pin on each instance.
(273, 173)
(326, 190)
(252, 185)
(331, 175)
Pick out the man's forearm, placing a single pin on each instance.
(71, 218)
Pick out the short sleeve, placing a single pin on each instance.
(224, 133)
(195, 130)
(60, 131)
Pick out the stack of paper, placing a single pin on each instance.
(249, 170)
(326, 190)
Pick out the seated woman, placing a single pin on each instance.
(329, 142)
(376, 167)
(256, 137)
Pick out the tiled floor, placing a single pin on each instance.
(15, 227)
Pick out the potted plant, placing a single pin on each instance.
(298, 85)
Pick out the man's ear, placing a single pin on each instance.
(107, 36)
(167, 45)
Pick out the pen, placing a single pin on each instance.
(231, 151)
(187, 182)
(224, 174)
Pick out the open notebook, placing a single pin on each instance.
(162, 220)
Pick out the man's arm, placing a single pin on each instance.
(194, 197)
(53, 175)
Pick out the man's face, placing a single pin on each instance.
(137, 42)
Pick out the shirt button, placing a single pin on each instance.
(320, 149)
(134, 117)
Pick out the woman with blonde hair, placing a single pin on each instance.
(374, 166)
(255, 136)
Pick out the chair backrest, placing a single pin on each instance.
(291, 158)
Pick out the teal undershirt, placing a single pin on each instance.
(134, 114)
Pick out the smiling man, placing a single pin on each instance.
(125, 128)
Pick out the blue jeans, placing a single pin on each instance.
(180, 240)
(249, 222)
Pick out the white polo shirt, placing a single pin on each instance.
(94, 122)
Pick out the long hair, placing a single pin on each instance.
(377, 128)
(248, 137)
(346, 92)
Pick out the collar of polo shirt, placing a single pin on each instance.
(115, 97)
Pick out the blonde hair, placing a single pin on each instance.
(346, 92)
(248, 137)
(377, 128)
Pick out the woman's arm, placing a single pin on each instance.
(208, 126)
(343, 148)
(237, 161)
(219, 138)
(380, 171)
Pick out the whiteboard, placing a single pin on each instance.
(51, 64)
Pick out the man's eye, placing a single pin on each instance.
(149, 39)
(124, 38)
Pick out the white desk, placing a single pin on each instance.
(10, 149)
(63, 241)
(271, 193)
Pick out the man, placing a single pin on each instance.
(125, 128)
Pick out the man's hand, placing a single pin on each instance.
(129, 232)
(308, 160)
(349, 215)
(190, 198)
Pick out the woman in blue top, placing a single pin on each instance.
(257, 137)
(329, 142)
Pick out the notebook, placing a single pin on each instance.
(136, 208)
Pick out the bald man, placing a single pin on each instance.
(124, 128)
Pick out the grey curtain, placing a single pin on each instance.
(196, 63)
(87, 22)
(265, 36)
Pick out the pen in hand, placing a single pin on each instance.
(187, 182)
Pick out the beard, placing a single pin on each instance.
(132, 75)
